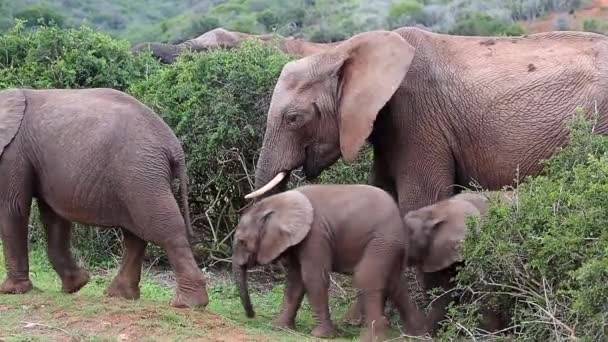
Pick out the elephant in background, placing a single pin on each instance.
(323, 228)
(96, 157)
(222, 38)
(435, 233)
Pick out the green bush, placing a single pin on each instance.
(544, 259)
(51, 57)
(481, 24)
(216, 102)
(36, 15)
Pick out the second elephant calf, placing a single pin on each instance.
(329, 228)
(435, 233)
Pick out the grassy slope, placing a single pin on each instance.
(47, 314)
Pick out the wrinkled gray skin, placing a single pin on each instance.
(320, 229)
(435, 235)
(222, 38)
(96, 157)
(438, 110)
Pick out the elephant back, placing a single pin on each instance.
(12, 108)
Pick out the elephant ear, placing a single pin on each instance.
(448, 232)
(372, 66)
(288, 221)
(12, 108)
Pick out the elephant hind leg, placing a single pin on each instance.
(157, 219)
(59, 235)
(15, 202)
(126, 283)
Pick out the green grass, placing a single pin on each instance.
(48, 314)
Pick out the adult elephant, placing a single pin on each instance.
(98, 157)
(439, 110)
(222, 38)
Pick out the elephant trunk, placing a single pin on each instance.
(167, 53)
(240, 274)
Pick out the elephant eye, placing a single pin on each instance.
(291, 118)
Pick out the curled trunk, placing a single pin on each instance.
(240, 274)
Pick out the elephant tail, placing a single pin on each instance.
(182, 173)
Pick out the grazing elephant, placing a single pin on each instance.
(222, 38)
(435, 233)
(97, 157)
(323, 228)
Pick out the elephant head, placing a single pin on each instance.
(436, 231)
(324, 106)
(265, 231)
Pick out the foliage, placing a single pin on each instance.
(595, 25)
(216, 104)
(50, 57)
(544, 259)
(40, 14)
(481, 24)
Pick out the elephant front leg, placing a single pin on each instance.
(316, 283)
(126, 283)
(59, 237)
(14, 231)
(292, 297)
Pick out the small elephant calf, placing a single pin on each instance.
(323, 228)
(435, 233)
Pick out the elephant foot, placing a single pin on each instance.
(191, 298)
(327, 330)
(283, 323)
(74, 282)
(120, 289)
(10, 286)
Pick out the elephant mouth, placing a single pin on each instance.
(318, 158)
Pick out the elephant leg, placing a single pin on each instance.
(413, 320)
(158, 220)
(316, 282)
(15, 202)
(126, 283)
(292, 297)
(59, 235)
(438, 306)
(370, 277)
(355, 313)
(14, 229)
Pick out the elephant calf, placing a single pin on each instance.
(323, 228)
(98, 157)
(435, 233)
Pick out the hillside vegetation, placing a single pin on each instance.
(318, 20)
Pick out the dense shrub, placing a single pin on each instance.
(50, 57)
(481, 24)
(217, 103)
(544, 260)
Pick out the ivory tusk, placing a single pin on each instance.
(276, 180)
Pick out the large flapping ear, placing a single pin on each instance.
(448, 234)
(373, 66)
(12, 109)
(289, 221)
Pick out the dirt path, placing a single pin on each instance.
(55, 318)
